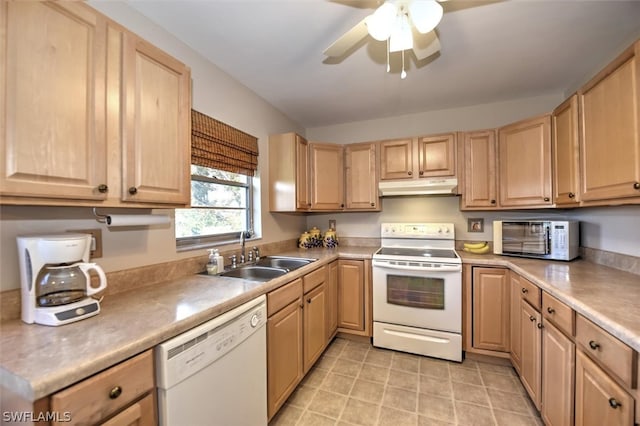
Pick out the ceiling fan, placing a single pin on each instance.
(403, 24)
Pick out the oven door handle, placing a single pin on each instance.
(449, 268)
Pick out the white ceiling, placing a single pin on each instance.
(491, 51)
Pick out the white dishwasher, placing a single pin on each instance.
(216, 373)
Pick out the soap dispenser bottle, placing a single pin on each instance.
(212, 266)
(219, 260)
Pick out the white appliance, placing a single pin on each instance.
(417, 290)
(543, 239)
(55, 283)
(423, 186)
(216, 373)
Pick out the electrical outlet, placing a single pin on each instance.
(332, 224)
(96, 241)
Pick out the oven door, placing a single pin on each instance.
(418, 294)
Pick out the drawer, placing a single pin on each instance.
(281, 297)
(614, 355)
(314, 279)
(558, 313)
(99, 396)
(530, 292)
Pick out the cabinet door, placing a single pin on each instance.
(351, 297)
(599, 399)
(303, 201)
(524, 153)
(315, 325)
(515, 338)
(610, 143)
(52, 100)
(157, 125)
(530, 370)
(437, 155)
(327, 171)
(396, 159)
(480, 170)
(284, 355)
(332, 299)
(566, 150)
(140, 413)
(361, 177)
(558, 355)
(490, 294)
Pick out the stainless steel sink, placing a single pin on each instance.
(284, 262)
(255, 273)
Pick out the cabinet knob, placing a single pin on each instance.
(614, 404)
(551, 310)
(532, 318)
(546, 198)
(103, 188)
(540, 325)
(342, 205)
(309, 300)
(133, 190)
(636, 185)
(309, 205)
(410, 173)
(373, 204)
(524, 290)
(421, 173)
(593, 345)
(493, 201)
(115, 392)
(572, 195)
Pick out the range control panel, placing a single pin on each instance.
(444, 231)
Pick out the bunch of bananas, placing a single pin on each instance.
(477, 248)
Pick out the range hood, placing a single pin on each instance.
(436, 186)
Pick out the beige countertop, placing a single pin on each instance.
(36, 361)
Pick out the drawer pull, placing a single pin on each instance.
(636, 185)
(532, 318)
(614, 404)
(540, 325)
(103, 188)
(593, 345)
(115, 392)
(551, 310)
(524, 290)
(572, 195)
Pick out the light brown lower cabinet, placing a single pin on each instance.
(599, 399)
(490, 294)
(558, 376)
(121, 395)
(351, 294)
(314, 319)
(332, 299)
(531, 334)
(515, 340)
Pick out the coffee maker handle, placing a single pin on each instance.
(103, 278)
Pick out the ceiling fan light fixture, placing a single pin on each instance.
(401, 37)
(381, 22)
(425, 14)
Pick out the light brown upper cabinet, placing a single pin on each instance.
(53, 99)
(289, 181)
(361, 177)
(327, 176)
(427, 156)
(101, 111)
(157, 125)
(524, 158)
(610, 142)
(566, 149)
(480, 179)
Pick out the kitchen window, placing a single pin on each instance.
(221, 207)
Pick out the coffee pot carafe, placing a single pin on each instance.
(56, 280)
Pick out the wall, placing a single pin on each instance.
(215, 93)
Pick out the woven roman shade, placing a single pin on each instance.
(220, 146)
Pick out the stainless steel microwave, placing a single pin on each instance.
(544, 239)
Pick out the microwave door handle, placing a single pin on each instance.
(546, 240)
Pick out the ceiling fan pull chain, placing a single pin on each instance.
(403, 74)
(388, 66)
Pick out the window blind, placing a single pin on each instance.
(219, 146)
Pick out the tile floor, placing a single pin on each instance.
(354, 383)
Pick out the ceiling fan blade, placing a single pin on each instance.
(425, 45)
(348, 40)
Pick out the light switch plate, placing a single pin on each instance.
(332, 224)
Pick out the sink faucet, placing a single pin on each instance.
(243, 236)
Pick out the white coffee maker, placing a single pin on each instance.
(54, 272)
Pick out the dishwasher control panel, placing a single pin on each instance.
(188, 353)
